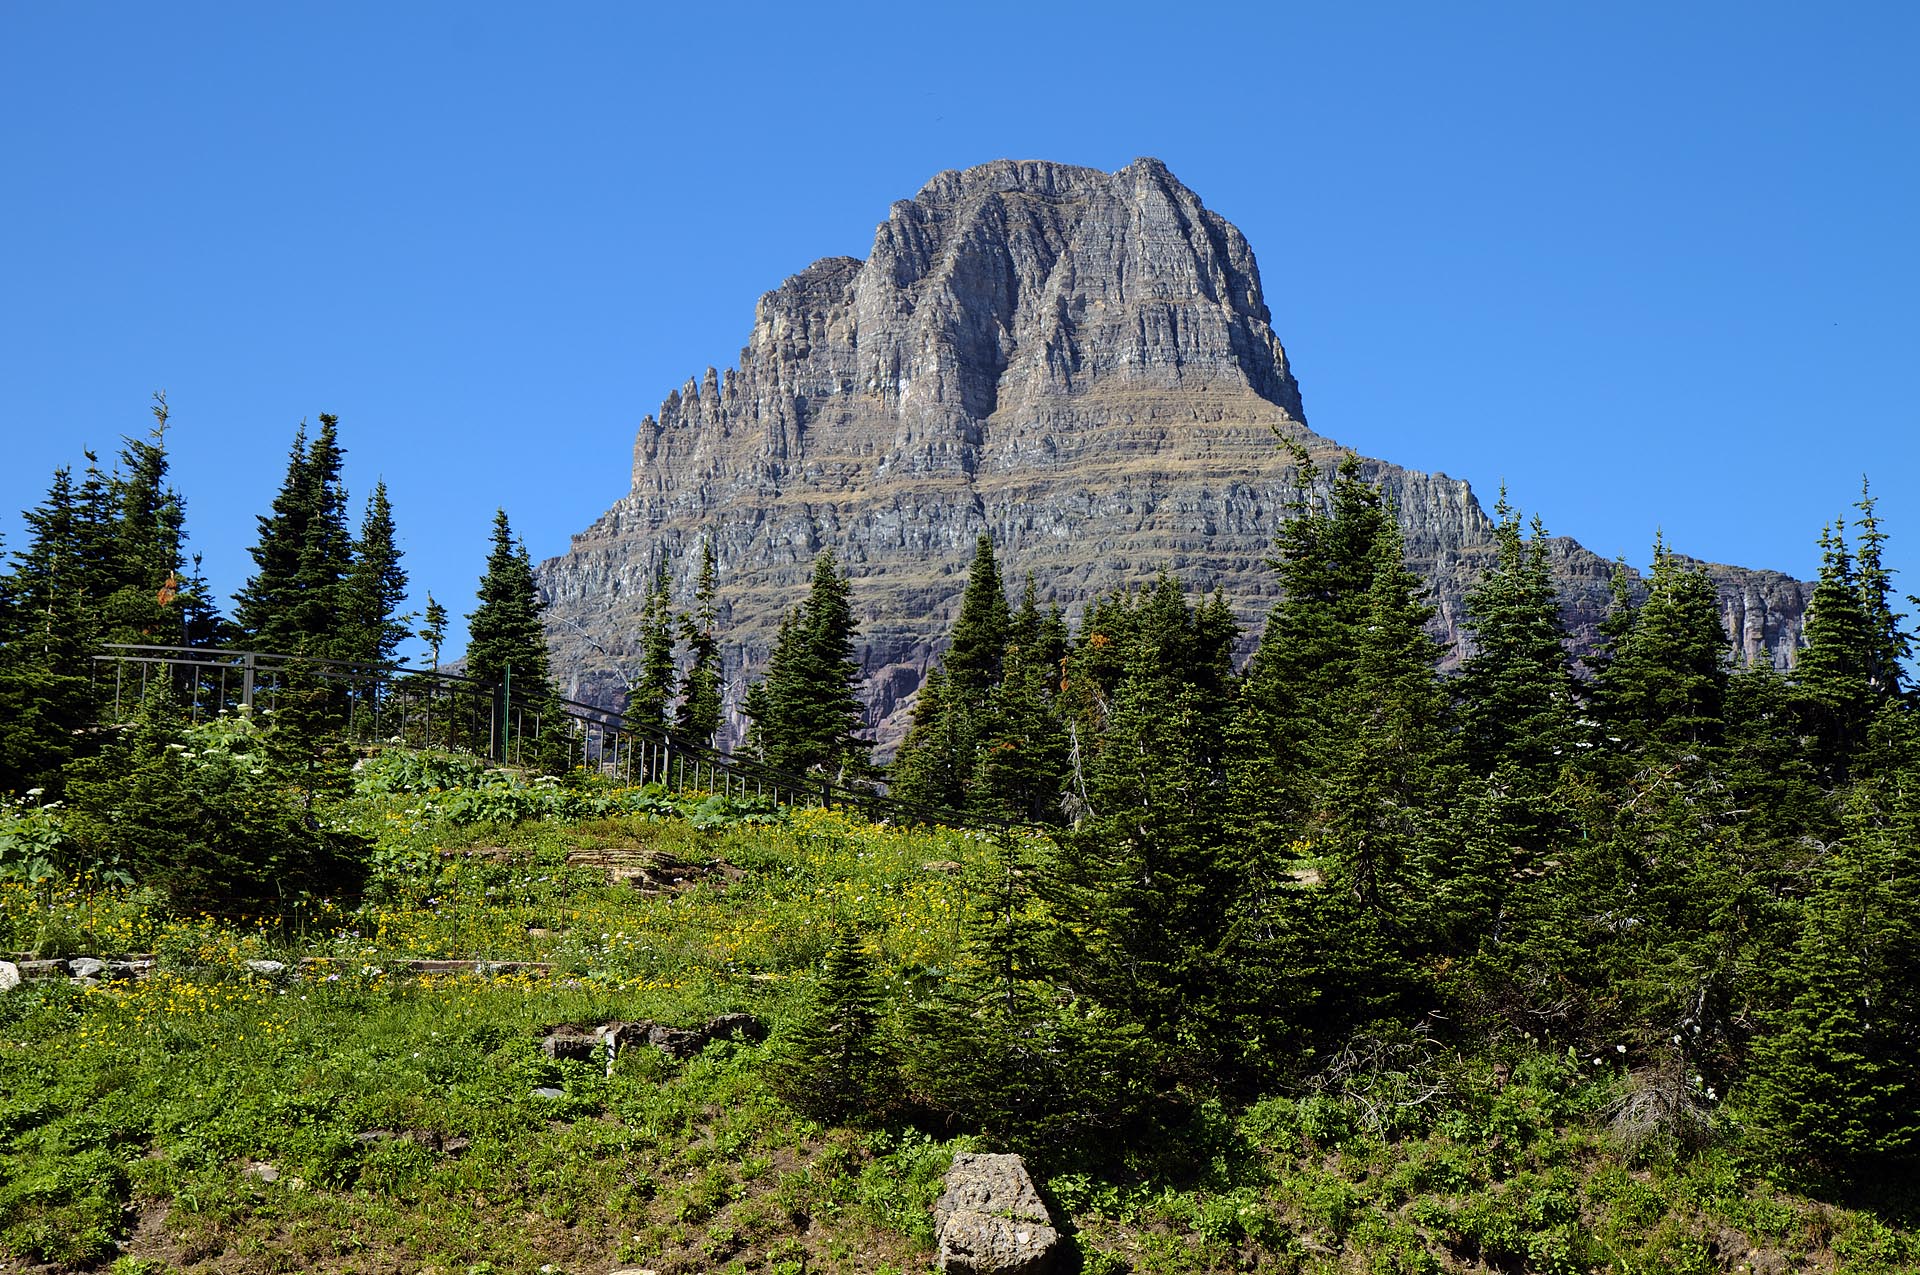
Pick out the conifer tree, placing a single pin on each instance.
(937, 762)
(1663, 677)
(1519, 722)
(1516, 690)
(1887, 641)
(260, 605)
(973, 660)
(1000, 1046)
(326, 550)
(1833, 674)
(650, 700)
(1288, 723)
(293, 602)
(374, 587)
(433, 630)
(1023, 747)
(59, 625)
(1143, 884)
(806, 713)
(144, 599)
(700, 689)
(1836, 1075)
(934, 768)
(1392, 766)
(834, 1062)
(504, 632)
(770, 732)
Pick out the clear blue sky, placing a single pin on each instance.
(1652, 264)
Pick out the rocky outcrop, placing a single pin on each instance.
(1080, 363)
(990, 1219)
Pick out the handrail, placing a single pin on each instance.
(402, 699)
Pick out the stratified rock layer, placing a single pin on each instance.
(1081, 364)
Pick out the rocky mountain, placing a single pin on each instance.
(1080, 363)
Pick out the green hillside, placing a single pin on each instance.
(350, 1113)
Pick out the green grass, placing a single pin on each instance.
(209, 1118)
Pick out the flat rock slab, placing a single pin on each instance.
(991, 1219)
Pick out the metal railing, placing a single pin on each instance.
(395, 705)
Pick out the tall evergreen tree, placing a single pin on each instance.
(938, 759)
(293, 603)
(326, 550)
(373, 589)
(504, 635)
(1288, 725)
(1392, 768)
(651, 699)
(1833, 676)
(145, 599)
(973, 661)
(935, 765)
(54, 590)
(1516, 691)
(261, 606)
(1836, 1073)
(701, 702)
(1023, 747)
(1887, 641)
(835, 1062)
(433, 629)
(806, 712)
(1143, 884)
(1663, 679)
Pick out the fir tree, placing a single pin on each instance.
(834, 1062)
(293, 602)
(935, 765)
(1833, 676)
(1836, 1076)
(938, 759)
(434, 630)
(1516, 690)
(1288, 727)
(315, 613)
(973, 660)
(806, 712)
(504, 635)
(374, 587)
(700, 689)
(1023, 747)
(1887, 642)
(1663, 676)
(650, 700)
(144, 599)
(53, 594)
(1001, 1048)
(1143, 886)
(1393, 766)
(261, 604)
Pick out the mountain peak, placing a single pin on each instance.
(1080, 363)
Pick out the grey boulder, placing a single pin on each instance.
(991, 1219)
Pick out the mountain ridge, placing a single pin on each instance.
(1081, 364)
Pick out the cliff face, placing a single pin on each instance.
(1079, 363)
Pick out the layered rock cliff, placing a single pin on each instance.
(1081, 364)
